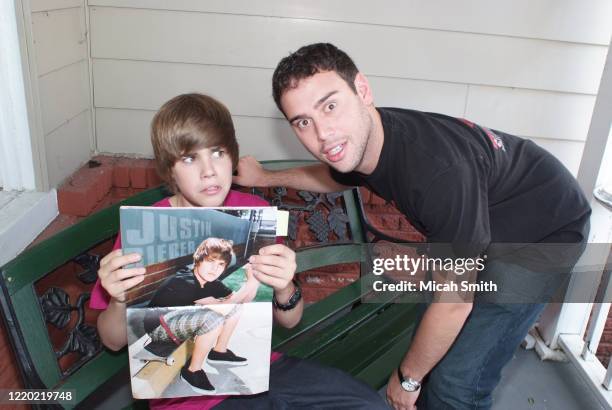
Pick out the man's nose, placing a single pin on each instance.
(325, 131)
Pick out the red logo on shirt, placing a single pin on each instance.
(496, 140)
(466, 122)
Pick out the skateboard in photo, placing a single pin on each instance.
(158, 352)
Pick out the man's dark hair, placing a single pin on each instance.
(306, 62)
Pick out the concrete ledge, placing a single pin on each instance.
(23, 215)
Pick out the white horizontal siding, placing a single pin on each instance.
(246, 41)
(582, 21)
(527, 112)
(64, 93)
(67, 147)
(146, 85)
(127, 131)
(246, 91)
(433, 96)
(59, 38)
(526, 68)
(46, 5)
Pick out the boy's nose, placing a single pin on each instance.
(206, 169)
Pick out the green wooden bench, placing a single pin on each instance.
(364, 339)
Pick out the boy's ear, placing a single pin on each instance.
(362, 85)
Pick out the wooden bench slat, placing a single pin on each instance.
(365, 344)
(319, 312)
(312, 344)
(278, 164)
(376, 374)
(324, 309)
(95, 373)
(318, 256)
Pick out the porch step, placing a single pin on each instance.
(22, 216)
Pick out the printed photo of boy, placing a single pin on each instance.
(210, 327)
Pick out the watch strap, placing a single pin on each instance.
(293, 300)
(414, 385)
(400, 375)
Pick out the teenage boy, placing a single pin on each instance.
(458, 183)
(196, 151)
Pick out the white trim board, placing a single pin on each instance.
(23, 216)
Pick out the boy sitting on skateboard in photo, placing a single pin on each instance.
(212, 327)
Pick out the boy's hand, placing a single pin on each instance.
(249, 172)
(116, 280)
(275, 266)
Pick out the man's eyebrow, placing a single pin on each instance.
(317, 104)
(325, 97)
(297, 117)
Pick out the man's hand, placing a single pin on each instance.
(399, 398)
(117, 280)
(275, 266)
(249, 173)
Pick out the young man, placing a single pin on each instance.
(458, 183)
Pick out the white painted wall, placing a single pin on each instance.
(61, 66)
(16, 162)
(529, 68)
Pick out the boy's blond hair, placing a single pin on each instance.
(186, 123)
(216, 248)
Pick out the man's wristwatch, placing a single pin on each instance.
(293, 300)
(408, 384)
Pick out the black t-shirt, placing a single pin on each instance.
(461, 183)
(183, 289)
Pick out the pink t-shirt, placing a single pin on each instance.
(100, 299)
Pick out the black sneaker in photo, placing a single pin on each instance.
(227, 357)
(197, 380)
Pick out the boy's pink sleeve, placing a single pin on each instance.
(99, 297)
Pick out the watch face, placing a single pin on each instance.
(408, 386)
